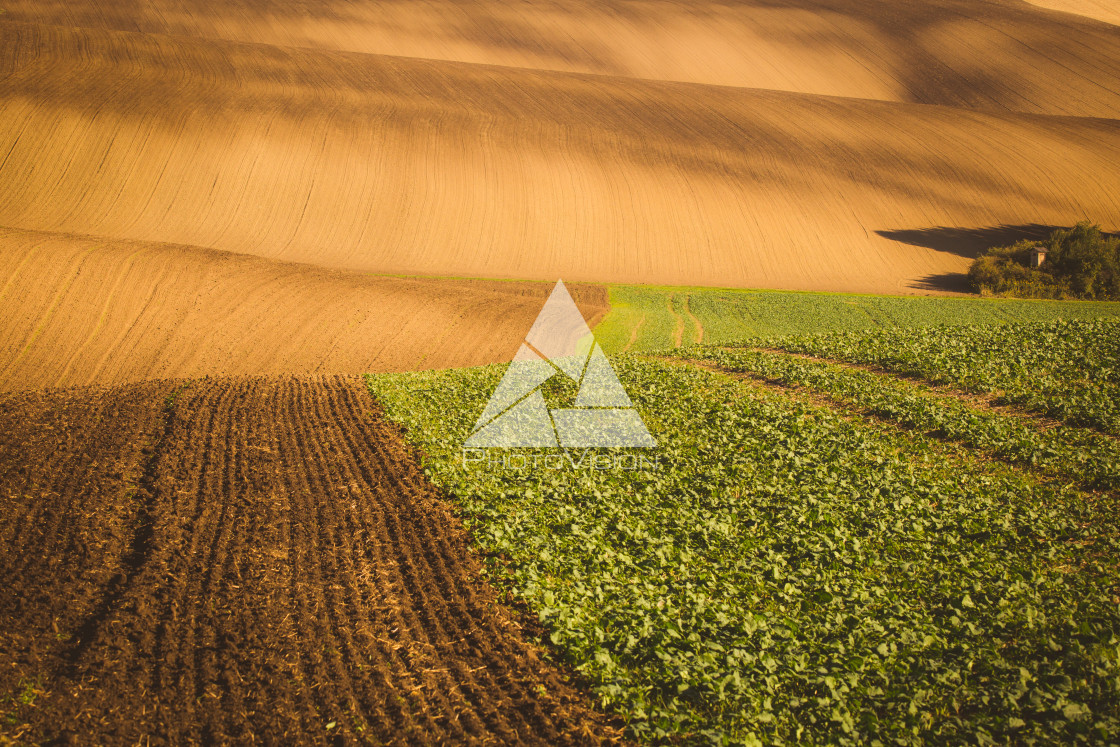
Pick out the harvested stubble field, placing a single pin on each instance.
(239, 560)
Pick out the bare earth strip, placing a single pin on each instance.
(993, 55)
(250, 560)
(79, 310)
(395, 165)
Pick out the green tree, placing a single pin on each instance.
(1088, 259)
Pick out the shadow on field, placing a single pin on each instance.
(944, 282)
(969, 242)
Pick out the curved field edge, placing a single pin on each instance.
(81, 310)
(642, 318)
(789, 574)
(1099, 10)
(248, 560)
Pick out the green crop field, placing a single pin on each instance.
(1070, 453)
(644, 318)
(820, 554)
(1068, 370)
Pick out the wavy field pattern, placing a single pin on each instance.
(213, 214)
(82, 311)
(802, 144)
(380, 164)
(1101, 10)
(1002, 55)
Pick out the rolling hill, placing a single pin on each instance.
(81, 311)
(213, 214)
(1005, 54)
(872, 152)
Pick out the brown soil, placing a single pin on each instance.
(370, 163)
(1002, 54)
(248, 560)
(78, 311)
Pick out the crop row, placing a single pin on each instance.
(788, 575)
(1093, 460)
(1069, 370)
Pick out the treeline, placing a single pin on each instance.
(1081, 262)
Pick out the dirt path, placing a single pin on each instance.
(634, 334)
(244, 560)
(697, 326)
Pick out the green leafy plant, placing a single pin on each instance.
(1067, 370)
(790, 575)
(1067, 453)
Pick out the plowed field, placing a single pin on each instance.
(372, 163)
(241, 168)
(248, 560)
(1101, 10)
(79, 310)
(1002, 54)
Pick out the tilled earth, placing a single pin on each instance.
(248, 560)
